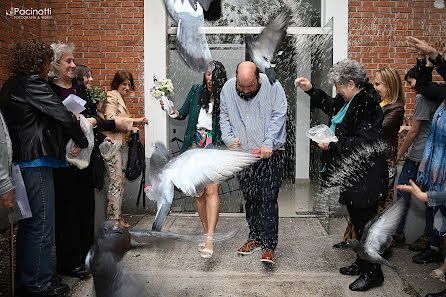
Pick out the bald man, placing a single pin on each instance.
(252, 118)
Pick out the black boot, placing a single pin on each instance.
(371, 277)
(354, 269)
(439, 294)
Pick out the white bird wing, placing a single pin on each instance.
(268, 42)
(378, 232)
(195, 169)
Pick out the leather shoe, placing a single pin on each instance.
(427, 256)
(439, 294)
(80, 272)
(51, 290)
(353, 269)
(367, 281)
(341, 245)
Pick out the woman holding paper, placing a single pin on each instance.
(202, 105)
(74, 188)
(114, 108)
(356, 119)
(37, 121)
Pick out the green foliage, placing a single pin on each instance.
(97, 95)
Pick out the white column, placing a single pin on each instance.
(155, 63)
(302, 117)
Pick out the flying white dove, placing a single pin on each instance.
(190, 172)
(190, 40)
(378, 233)
(264, 49)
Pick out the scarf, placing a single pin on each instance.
(432, 170)
(339, 116)
(385, 102)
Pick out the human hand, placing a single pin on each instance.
(78, 116)
(403, 128)
(141, 121)
(422, 47)
(144, 121)
(440, 46)
(92, 121)
(265, 152)
(303, 83)
(75, 151)
(414, 190)
(235, 145)
(323, 146)
(109, 139)
(7, 200)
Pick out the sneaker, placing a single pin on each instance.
(420, 244)
(51, 290)
(268, 256)
(427, 256)
(249, 247)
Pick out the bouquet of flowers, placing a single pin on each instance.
(162, 89)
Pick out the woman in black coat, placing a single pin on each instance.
(74, 188)
(356, 118)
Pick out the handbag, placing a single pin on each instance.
(136, 164)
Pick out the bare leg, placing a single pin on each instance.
(212, 212)
(201, 207)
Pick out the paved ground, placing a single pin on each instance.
(307, 265)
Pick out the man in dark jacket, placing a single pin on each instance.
(356, 119)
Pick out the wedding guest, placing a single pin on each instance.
(37, 121)
(114, 108)
(74, 188)
(356, 119)
(202, 106)
(83, 73)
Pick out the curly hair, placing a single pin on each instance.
(346, 70)
(29, 57)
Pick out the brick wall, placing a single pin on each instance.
(377, 31)
(14, 29)
(108, 36)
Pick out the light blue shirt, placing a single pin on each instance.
(257, 122)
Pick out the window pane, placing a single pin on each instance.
(249, 13)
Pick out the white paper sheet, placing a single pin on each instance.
(74, 103)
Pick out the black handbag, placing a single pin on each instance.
(136, 164)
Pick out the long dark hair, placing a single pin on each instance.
(218, 80)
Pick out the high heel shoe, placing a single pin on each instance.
(207, 253)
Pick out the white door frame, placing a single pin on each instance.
(155, 63)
